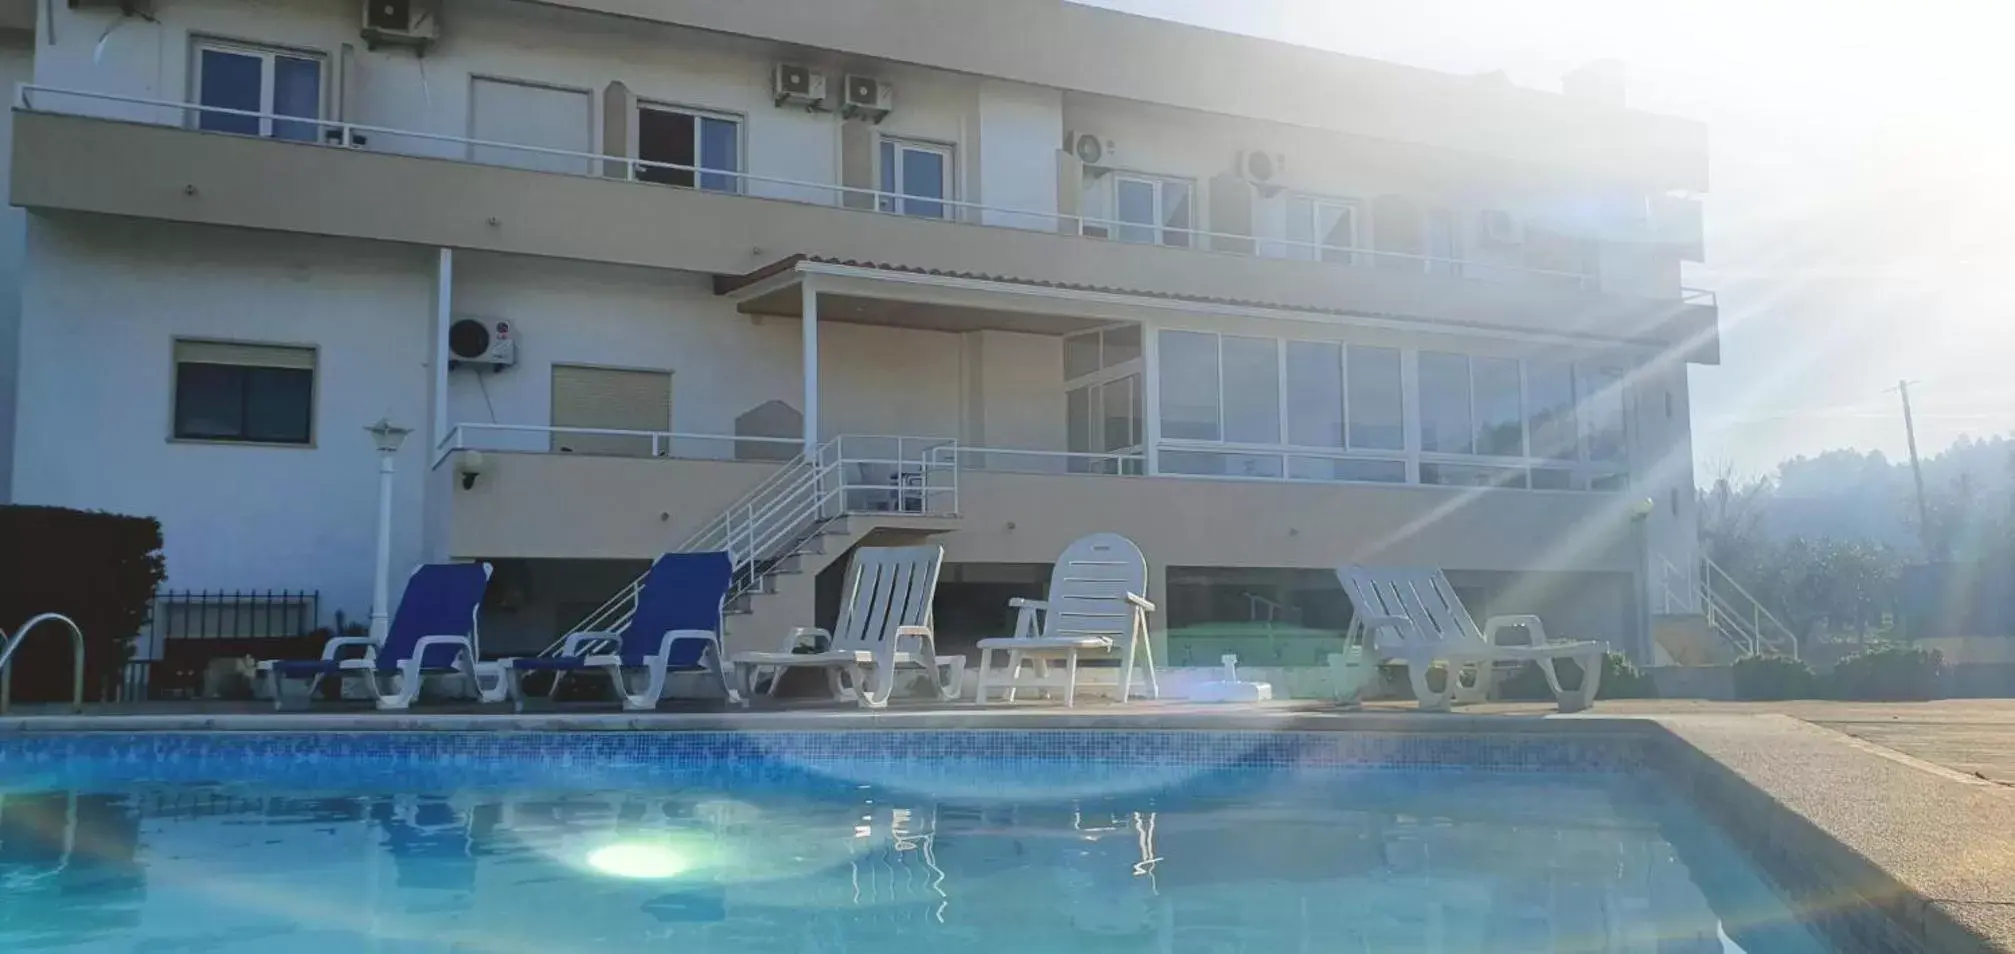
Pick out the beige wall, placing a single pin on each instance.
(560, 507)
(1073, 46)
(578, 507)
(74, 163)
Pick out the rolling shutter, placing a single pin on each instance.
(611, 398)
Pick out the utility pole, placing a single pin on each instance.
(1917, 474)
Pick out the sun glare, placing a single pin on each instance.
(643, 861)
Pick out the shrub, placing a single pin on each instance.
(99, 569)
(1888, 674)
(1772, 678)
(1620, 680)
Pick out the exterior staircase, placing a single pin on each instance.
(801, 519)
(1706, 618)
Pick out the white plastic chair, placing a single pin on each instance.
(884, 624)
(1412, 616)
(1096, 605)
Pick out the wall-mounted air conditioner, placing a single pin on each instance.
(1497, 227)
(476, 342)
(414, 23)
(798, 85)
(1095, 151)
(866, 97)
(1263, 169)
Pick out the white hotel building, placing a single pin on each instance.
(996, 273)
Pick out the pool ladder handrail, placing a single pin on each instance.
(8, 646)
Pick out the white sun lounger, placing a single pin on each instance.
(1095, 608)
(884, 624)
(1412, 616)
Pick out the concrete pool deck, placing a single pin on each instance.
(1891, 825)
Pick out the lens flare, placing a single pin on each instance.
(638, 860)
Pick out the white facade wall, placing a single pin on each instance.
(16, 66)
(102, 303)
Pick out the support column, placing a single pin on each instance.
(1150, 398)
(444, 309)
(810, 307)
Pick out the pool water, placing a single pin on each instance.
(1021, 856)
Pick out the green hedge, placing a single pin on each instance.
(1888, 674)
(99, 569)
(1773, 678)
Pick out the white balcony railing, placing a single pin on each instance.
(351, 135)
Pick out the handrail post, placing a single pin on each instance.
(8, 648)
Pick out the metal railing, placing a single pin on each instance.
(610, 442)
(1678, 594)
(21, 636)
(773, 521)
(1009, 460)
(186, 630)
(1740, 617)
(352, 135)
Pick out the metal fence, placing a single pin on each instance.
(187, 630)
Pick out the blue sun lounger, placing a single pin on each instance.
(676, 628)
(433, 631)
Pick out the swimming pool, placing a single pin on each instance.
(888, 841)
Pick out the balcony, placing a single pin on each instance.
(997, 505)
(80, 151)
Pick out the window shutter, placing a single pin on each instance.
(247, 355)
(614, 399)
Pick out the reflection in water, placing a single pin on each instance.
(1253, 863)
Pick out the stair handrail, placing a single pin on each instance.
(716, 534)
(1684, 596)
(1724, 619)
(785, 508)
(1757, 611)
(21, 636)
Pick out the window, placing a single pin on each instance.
(1314, 394)
(1189, 391)
(1377, 408)
(916, 178)
(1089, 352)
(1324, 229)
(1444, 404)
(1153, 211)
(610, 399)
(262, 394)
(709, 142)
(1251, 390)
(1551, 421)
(1500, 410)
(1444, 243)
(254, 80)
(1602, 415)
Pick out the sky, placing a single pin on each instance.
(1861, 218)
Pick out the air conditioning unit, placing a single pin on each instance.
(473, 341)
(414, 23)
(1497, 227)
(1090, 148)
(867, 98)
(1263, 169)
(799, 85)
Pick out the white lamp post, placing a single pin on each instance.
(388, 437)
(1640, 517)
